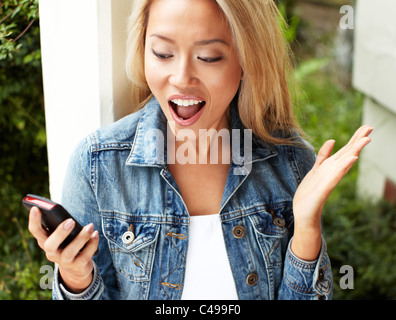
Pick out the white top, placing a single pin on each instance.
(208, 273)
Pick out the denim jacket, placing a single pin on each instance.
(118, 179)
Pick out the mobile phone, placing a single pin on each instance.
(52, 214)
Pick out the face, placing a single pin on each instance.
(191, 65)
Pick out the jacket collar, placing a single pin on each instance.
(149, 146)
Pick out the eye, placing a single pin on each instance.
(210, 60)
(161, 56)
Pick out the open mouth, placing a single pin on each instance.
(186, 111)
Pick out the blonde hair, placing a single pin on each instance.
(264, 99)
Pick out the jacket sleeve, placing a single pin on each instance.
(303, 280)
(79, 199)
(93, 292)
(306, 280)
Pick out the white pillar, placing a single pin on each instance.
(375, 75)
(85, 86)
(378, 163)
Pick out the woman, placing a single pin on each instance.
(167, 228)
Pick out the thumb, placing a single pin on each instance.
(324, 152)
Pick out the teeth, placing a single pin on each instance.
(185, 103)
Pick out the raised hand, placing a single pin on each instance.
(316, 187)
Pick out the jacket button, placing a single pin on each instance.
(128, 237)
(238, 232)
(251, 279)
(321, 275)
(279, 222)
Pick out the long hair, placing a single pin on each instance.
(264, 99)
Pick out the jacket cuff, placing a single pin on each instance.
(309, 278)
(93, 292)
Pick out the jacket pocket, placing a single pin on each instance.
(132, 245)
(272, 229)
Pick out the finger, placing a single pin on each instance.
(345, 162)
(84, 258)
(359, 145)
(324, 152)
(53, 242)
(35, 226)
(73, 249)
(363, 131)
(355, 149)
(92, 245)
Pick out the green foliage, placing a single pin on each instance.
(362, 234)
(23, 153)
(20, 276)
(17, 16)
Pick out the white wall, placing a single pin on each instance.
(375, 51)
(85, 86)
(378, 161)
(375, 75)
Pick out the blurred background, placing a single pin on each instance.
(335, 95)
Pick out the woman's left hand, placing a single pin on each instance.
(316, 187)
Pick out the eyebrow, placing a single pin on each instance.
(197, 43)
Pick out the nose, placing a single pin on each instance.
(183, 75)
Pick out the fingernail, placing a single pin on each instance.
(95, 235)
(68, 224)
(89, 228)
(34, 212)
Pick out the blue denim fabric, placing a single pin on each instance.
(118, 179)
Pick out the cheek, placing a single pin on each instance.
(154, 75)
(225, 84)
(156, 81)
(151, 77)
(234, 76)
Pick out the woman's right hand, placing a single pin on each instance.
(75, 266)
